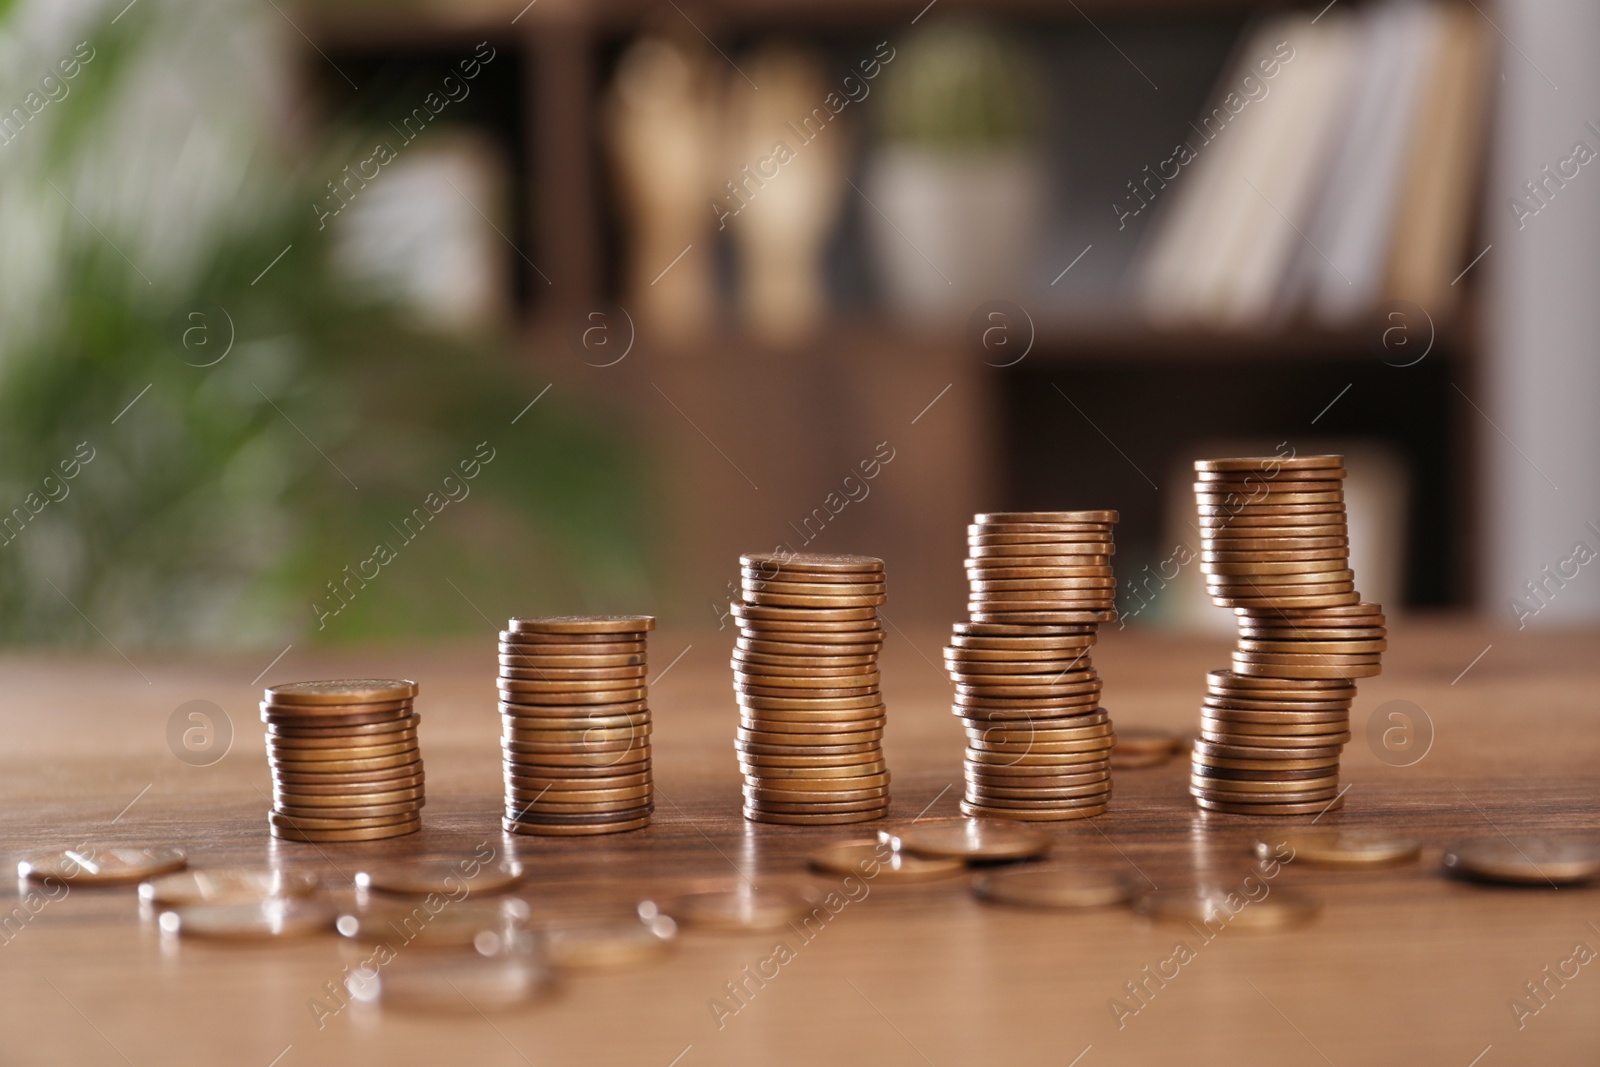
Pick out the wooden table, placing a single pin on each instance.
(1403, 966)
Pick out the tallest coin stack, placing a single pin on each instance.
(1275, 548)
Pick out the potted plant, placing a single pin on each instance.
(957, 185)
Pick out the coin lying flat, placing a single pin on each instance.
(342, 691)
(982, 840)
(466, 984)
(258, 920)
(226, 885)
(1217, 904)
(591, 946)
(1056, 887)
(745, 908)
(1526, 859)
(421, 877)
(457, 922)
(1340, 848)
(101, 864)
(875, 860)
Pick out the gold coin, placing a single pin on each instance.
(590, 946)
(226, 885)
(583, 624)
(360, 833)
(1340, 848)
(979, 840)
(1055, 887)
(1204, 905)
(343, 691)
(99, 864)
(1526, 859)
(251, 920)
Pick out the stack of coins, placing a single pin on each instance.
(575, 724)
(1275, 548)
(805, 674)
(1038, 741)
(344, 759)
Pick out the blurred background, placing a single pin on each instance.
(348, 321)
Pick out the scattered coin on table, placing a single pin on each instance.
(876, 861)
(1057, 887)
(226, 885)
(1526, 859)
(972, 840)
(1219, 906)
(102, 864)
(1339, 848)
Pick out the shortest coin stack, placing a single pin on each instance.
(344, 759)
(805, 674)
(575, 724)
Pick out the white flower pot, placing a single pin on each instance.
(951, 231)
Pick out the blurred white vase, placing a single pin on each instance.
(950, 231)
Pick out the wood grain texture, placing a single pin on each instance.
(1403, 966)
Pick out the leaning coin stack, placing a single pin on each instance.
(1275, 548)
(344, 759)
(1038, 741)
(805, 674)
(575, 724)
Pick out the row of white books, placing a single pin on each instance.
(1333, 170)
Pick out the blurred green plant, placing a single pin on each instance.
(222, 500)
(960, 85)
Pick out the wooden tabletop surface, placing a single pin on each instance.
(1403, 966)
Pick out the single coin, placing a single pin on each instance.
(226, 885)
(1101, 517)
(444, 876)
(559, 676)
(747, 908)
(1147, 740)
(873, 808)
(1340, 848)
(1316, 807)
(1020, 775)
(1234, 751)
(361, 833)
(1215, 905)
(566, 697)
(762, 794)
(813, 601)
(284, 798)
(592, 946)
(759, 615)
(334, 731)
(331, 822)
(823, 646)
(358, 810)
(1099, 552)
(1526, 859)
(342, 691)
(1215, 554)
(513, 826)
(1055, 887)
(851, 679)
(982, 840)
(1280, 670)
(454, 922)
(277, 750)
(334, 766)
(398, 712)
(402, 777)
(251, 920)
(1270, 464)
(1307, 689)
(827, 819)
(992, 796)
(1048, 814)
(1269, 730)
(755, 661)
(583, 624)
(568, 663)
(467, 984)
(1242, 740)
(533, 782)
(99, 864)
(1018, 807)
(1015, 617)
(819, 562)
(874, 860)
